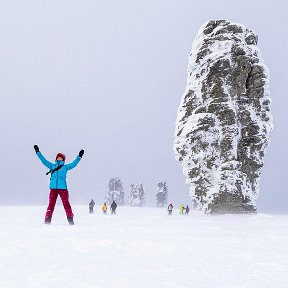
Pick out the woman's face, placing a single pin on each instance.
(59, 158)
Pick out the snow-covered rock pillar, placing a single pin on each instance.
(161, 194)
(116, 192)
(224, 119)
(136, 197)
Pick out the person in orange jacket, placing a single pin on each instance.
(104, 208)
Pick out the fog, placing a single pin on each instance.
(107, 77)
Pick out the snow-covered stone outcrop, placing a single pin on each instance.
(161, 194)
(136, 196)
(115, 192)
(224, 118)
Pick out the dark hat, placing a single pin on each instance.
(61, 155)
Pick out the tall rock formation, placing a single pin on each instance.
(115, 192)
(224, 119)
(161, 194)
(137, 195)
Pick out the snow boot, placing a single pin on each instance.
(47, 220)
(70, 220)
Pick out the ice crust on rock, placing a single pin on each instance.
(224, 118)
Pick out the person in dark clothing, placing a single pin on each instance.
(91, 206)
(187, 210)
(170, 209)
(113, 207)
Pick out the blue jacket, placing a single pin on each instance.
(58, 178)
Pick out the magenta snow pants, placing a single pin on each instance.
(64, 195)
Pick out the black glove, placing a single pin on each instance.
(36, 148)
(81, 153)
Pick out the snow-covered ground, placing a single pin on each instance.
(142, 247)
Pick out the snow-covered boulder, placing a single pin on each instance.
(224, 118)
(115, 192)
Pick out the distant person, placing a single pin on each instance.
(104, 208)
(170, 209)
(187, 210)
(182, 208)
(113, 207)
(91, 206)
(58, 185)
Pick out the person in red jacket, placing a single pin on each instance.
(170, 209)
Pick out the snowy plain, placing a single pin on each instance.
(142, 247)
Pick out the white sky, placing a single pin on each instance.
(107, 76)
